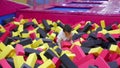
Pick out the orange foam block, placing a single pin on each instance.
(56, 61)
(19, 49)
(101, 63)
(4, 63)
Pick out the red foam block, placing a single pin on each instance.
(113, 56)
(39, 62)
(56, 62)
(65, 44)
(4, 63)
(32, 36)
(85, 36)
(29, 28)
(101, 36)
(114, 26)
(101, 63)
(10, 26)
(104, 54)
(19, 50)
(116, 36)
(4, 36)
(118, 61)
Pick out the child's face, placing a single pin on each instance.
(68, 35)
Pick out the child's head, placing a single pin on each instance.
(67, 30)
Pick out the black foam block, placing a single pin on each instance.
(59, 51)
(47, 27)
(1, 34)
(60, 24)
(93, 35)
(50, 54)
(25, 66)
(87, 27)
(85, 49)
(43, 34)
(110, 38)
(108, 28)
(77, 36)
(16, 38)
(8, 20)
(113, 64)
(25, 41)
(29, 51)
(67, 62)
(98, 29)
(36, 65)
(52, 44)
(106, 45)
(15, 29)
(62, 66)
(92, 66)
(8, 40)
(89, 43)
(0, 66)
(46, 40)
(11, 62)
(28, 24)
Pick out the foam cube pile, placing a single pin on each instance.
(29, 43)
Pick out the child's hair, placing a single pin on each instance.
(67, 28)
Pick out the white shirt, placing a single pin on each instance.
(61, 37)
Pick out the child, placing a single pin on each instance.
(65, 35)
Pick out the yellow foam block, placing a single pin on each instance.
(45, 46)
(37, 43)
(88, 32)
(77, 27)
(114, 48)
(48, 64)
(66, 52)
(22, 21)
(41, 26)
(15, 34)
(74, 32)
(77, 43)
(58, 29)
(2, 29)
(54, 51)
(16, 23)
(96, 25)
(102, 22)
(25, 35)
(117, 31)
(6, 51)
(37, 35)
(34, 21)
(55, 47)
(96, 51)
(103, 31)
(2, 46)
(54, 24)
(119, 26)
(15, 42)
(71, 56)
(12, 54)
(43, 57)
(27, 46)
(81, 39)
(18, 61)
(20, 28)
(31, 60)
(49, 22)
(52, 36)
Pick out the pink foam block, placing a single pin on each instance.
(65, 44)
(4, 63)
(101, 63)
(4, 36)
(30, 28)
(83, 59)
(78, 52)
(56, 62)
(101, 36)
(87, 63)
(116, 36)
(118, 61)
(85, 36)
(10, 26)
(39, 62)
(33, 36)
(82, 22)
(113, 56)
(39, 49)
(114, 26)
(19, 18)
(50, 32)
(104, 54)
(82, 27)
(19, 50)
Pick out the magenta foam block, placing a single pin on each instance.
(101, 63)
(114, 26)
(56, 61)
(113, 56)
(104, 54)
(116, 36)
(32, 36)
(30, 28)
(65, 44)
(85, 36)
(19, 18)
(118, 61)
(4, 63)
(118, 43)
(4, 36)
(101, 36)
(39, 62)
(10, 26)
(19, 50)
(87, 63)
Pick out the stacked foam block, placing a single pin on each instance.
(28, 43)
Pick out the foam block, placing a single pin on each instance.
(67, 62)
(102, 22)
(113, 56)
(116, 36)
(47, 27)
(32, 36)
(46, 40)
(42, 33)
(56, 61)
(30, 28)
(25, 66)
(6, 52)
(19, 49)
(4, 36)
(10, 61)
(92, 66)
(60, 24)
(2, 46)
(2, 29)
(50, 54)
(37, 43)
(96, 51)
(8, 40)
(114, 48)
(8, 20)
(85, 49)
(44, 58)
(18, 61)
(26, 41)
(36, 65)
(100, 63)
(10, 26)
(104, 54)
(20, 28)
(87, 27)
(110, 38)
(29, 51)
(101, 36)
(4, 63)
(114, 26)
(47, 64)
(65, 44)
(113, 64)
(59, 51)
(31, 60)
